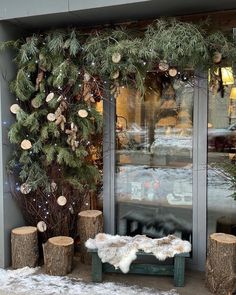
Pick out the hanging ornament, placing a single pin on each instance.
(163, 66)
(173, 72)
(115, 75)
(39, 79)
(49, 96)
(83, 113)
(71, 209)
(72, 136)
(217, 57)
(25, 188)
(41, 226)
(35, 103)
(87, 77)
(26, 144)
(116, 57)
(53, 186)
(51, 117)
(15, 108)
(61, 201)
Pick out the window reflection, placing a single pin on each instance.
(154, 159)
(221, 163)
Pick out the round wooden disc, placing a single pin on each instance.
(173, 72)
(61, 241)
(83, 113)
(41, 226)
(61, 201)
(90, 213)
(15, 108)
(49, 96)
(163, 66)
(25, 188)
(116, 57)
(53, 186)
(86, 77)
(35, 104)
(26, 144)
(24, 230)
(51, 117)
(115, 75)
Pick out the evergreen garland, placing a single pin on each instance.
(62, 72)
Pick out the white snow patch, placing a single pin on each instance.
(120, 251)
(29, 281)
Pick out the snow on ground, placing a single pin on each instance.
(31, 281)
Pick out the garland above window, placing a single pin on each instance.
(60, 76)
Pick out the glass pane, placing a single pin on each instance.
(154, 160)
(221, 162)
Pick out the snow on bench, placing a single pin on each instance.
(116, 253)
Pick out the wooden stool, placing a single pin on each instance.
(177, 270)
(90, 223)
(24, 247)
(58, 255)
(221, 263)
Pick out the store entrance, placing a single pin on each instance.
(154, 163)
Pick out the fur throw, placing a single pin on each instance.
(120, 251)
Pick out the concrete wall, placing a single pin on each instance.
(10, 215)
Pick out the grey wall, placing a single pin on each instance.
(10, 216)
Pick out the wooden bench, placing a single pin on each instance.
(176, 270)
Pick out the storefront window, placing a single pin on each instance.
(154, 160)
(222, 162)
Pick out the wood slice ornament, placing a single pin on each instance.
(61, 201)
(49, 96)
(163, 66)
(25, 188)
(115, 75)
(26, 144)
(42, 226)
(116, 57)
(83, 113)
(35, 103)
(24, 247)
(15, 108)
(173, 72)
(51, 117)
(87, 77)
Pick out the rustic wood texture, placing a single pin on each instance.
(58, 255)
(24, 247)
(221, 264)
(90, 223)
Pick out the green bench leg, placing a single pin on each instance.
(179, 268)
(96, 268)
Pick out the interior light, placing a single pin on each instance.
(227, 76)
(233, 93)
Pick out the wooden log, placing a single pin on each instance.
(24, 247)
(58, 255)
(221, 264)
(90, 223)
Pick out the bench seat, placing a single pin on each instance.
(176, 270)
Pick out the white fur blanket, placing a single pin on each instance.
(120, 251)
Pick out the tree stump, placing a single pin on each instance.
(221, 264)
(24, 247)
(58, 255)
(90, 223)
